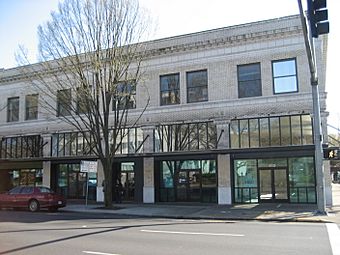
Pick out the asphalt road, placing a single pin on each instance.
(28, 233)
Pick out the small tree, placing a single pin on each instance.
(90, 66)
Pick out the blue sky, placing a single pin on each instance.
(19, 20)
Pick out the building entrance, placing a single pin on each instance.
(273, 185)
(127, 178)
(189, 185)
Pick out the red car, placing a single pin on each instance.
(32, 198)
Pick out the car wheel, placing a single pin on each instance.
(33, 205)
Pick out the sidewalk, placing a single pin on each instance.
(263, 212)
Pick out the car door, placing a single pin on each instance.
(9, 199)
(23, 197)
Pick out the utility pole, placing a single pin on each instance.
(318, 24)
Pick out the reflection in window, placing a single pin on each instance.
(271, 131)
(197, 86)
(170, 89)
(184, 137)
(64, 102)
(12, 109)
(307, 131)
(21, 147)
(302, 180)
(296, 130)
(264, 132)
(285, 130)
(275, 132)
(245, 181)
(249, 80)
(284, 76)
(31, 104)
(125, 97)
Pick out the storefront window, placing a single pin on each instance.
(188, 181)
(245, 178)
(272, 162)
(271, 131)
(302, 180)
(72, 183)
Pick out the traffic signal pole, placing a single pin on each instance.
(320, 178)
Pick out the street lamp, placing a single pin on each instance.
(318, 24)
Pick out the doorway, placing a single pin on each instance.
(127, 178)
(273, 185)
(189, 185)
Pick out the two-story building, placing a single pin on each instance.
(229, 121)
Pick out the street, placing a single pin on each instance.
(23, 232)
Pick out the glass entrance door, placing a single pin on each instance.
(127, 179)
(273, 185)
(189, 186)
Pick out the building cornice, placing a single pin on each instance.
(217, 38)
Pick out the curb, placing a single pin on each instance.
(293, 219)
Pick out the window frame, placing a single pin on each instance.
(122, 103)
(170, 90)
(205, 86)
(10, 110)
(239, 82)
(285, 76)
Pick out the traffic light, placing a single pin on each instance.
(318, 17)
(331, 153)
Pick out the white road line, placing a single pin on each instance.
(190, 233)
(98, 253)
(334, 237)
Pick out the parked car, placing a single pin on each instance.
(32, 198)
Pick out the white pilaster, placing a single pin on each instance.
(224, 183)
(149, 187)
(46, 181)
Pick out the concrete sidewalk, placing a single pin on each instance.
(263, 212)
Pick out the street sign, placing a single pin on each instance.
(88, 166)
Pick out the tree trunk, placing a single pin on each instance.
(108, 184)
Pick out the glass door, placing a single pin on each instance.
(280, 184)
(194, 189)
(273, 185)
(182, 186)
(266, 186)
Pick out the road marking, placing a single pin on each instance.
(190, 233)
(99, 253)
(334, 237)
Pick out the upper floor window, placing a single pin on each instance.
(197, 86)
(13, 109)
(82, 100)
(31, 102)
(284, 76)
(170, 90)
(64, 101)
(125, 96)
(249, 80)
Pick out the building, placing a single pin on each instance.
(229, 121)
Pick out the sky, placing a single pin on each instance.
(19, 20)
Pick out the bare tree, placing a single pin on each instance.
(90, 65)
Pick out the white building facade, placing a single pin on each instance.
(229, 121)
